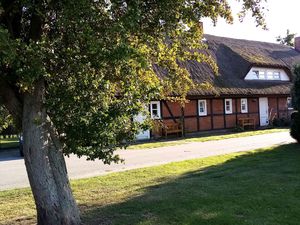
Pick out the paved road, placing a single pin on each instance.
(13, 174)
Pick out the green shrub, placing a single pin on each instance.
(295, 127)
(295, 117)
(281, 122)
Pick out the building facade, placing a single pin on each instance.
(254, 81)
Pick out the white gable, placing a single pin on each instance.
(260, 73)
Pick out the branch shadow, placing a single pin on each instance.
(257, 188)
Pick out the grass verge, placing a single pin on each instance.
(9, 143)
(261, 188)
(206, 137)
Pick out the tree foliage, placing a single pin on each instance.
(75, 72)
(288, 39)
(96, 58)
(5, 118)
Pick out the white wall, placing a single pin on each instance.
(252, 76)
(142, 135)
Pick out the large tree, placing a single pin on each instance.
(73, 73)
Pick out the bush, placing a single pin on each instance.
(281, 122)
(295, 127)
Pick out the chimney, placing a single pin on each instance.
(297, 43)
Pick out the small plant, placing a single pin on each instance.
(238, 128)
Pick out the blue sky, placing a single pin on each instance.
(280, 16)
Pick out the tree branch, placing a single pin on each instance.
(11, 102)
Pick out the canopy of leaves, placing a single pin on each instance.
(5, 119)
(288, 39)
(96, 59)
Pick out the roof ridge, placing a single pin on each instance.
(247, 40)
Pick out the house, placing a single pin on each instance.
(254, 81)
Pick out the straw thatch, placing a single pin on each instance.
(235, 58)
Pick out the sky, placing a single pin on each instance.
(280, 16)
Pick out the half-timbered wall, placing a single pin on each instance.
(216, 118)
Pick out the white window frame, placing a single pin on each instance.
(287, 104)
(245, 100)
(158, 110)
(204, 113)
(230, 105)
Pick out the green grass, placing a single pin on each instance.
(206, 137)
(257, 188)
(9, 142)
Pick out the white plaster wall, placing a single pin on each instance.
(142, 135)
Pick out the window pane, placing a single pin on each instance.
(202, 107)
(276, 75)
(154, 106)
(256, 73)
(154, 112)
(261, 75)
(270, 75)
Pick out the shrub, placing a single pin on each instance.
(295, 127)
(281, 122)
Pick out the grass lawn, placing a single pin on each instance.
(9, 142)
(206, 137)
(257, 188)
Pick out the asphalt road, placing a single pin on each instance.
(13, 173)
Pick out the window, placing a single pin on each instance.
(202, 107)
(269, 75)
(228, 106)
(155, 110)
(266, 74)
(256, 74)
(244, 105)
(276, 75)
(289, 103)
(261, 75)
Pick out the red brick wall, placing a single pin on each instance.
(194, 123)
(174, 107)
(218, 122)
(205, 123)
(272, 107)
(230, 121)
(282, 105)
(253, 105)
(190, 124)
(218, 107)
(191, 108)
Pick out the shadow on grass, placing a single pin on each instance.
(10, 154)
(258, 188)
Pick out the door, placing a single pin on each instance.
(142, 135)
(263, 111)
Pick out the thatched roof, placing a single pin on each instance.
(235, 58)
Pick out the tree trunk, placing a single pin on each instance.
(45, 164)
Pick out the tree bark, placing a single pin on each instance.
(45, 164)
